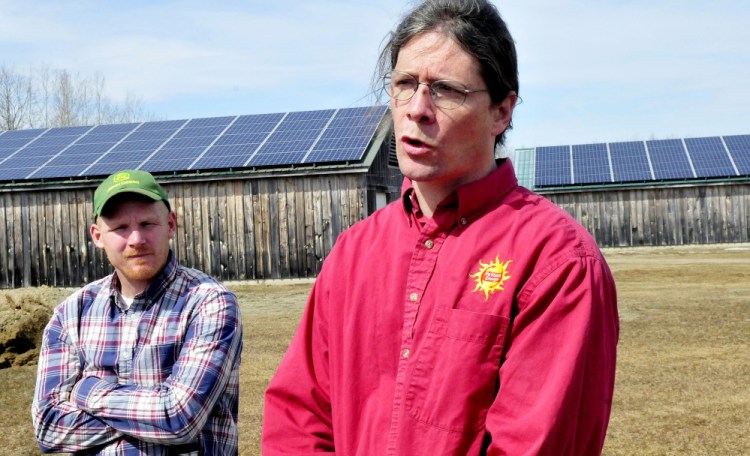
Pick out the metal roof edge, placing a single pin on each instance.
(641, 185)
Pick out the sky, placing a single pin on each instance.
(590, 71)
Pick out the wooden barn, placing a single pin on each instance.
(257, 197)
(648, 193)
(265, 196)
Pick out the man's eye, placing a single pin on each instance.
(444, 88)
(404, 83)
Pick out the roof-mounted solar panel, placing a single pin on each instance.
(669, 159)
(709, 157)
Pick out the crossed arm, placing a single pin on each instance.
(75, 410)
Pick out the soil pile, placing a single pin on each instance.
(22, 321)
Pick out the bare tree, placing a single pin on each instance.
(15, 99)
(58, 98)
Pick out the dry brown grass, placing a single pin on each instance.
(683, 360)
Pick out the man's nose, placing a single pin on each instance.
(421, 106)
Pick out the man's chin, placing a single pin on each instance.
(140, 273)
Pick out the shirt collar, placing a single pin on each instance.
(157, 287)
(471, 200)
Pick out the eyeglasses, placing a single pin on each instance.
(445, 94)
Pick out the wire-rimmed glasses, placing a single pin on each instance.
(445, 94)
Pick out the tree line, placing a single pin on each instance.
(43, 97)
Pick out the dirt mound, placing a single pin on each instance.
(23, 317)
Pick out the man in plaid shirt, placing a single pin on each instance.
(145, 360)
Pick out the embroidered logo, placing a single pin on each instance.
(119, 177)
(491, 276)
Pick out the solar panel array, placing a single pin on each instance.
(643, 161)
(209, 144)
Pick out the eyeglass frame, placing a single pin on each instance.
(388, 85)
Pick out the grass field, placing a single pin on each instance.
(683, 357)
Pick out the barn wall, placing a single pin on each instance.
(383, 177)
(658, 216)
(263, 228)
(283, 227)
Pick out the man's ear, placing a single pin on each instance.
(96, 235)
(504, 113)
(172, 224)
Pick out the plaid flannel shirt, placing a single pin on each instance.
(160, 378)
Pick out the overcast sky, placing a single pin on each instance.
(590, 71)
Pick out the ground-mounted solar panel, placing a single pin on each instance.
(591, 164)
(669, 159)
(709, 157)
(553, 166)
(630, 161)
(739, 149)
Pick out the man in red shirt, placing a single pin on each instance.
(472, 317)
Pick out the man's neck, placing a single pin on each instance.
(429, 197)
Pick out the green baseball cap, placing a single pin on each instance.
(127, 181)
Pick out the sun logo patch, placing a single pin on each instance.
(491, 276)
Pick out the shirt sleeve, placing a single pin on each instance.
(59, 425)
(557, 379)
(297, 417)
(175, 411)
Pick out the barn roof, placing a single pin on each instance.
(333, 138)
(634, 163)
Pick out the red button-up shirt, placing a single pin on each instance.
(490, 328)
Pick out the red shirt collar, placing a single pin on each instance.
(469, 201)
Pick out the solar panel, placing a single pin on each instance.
(709, 157)
(739, 149)
(591, 164)
(630, 161)
(553, 166)
(291, 138)
(196, 144)
(347, 135)
(669, 159)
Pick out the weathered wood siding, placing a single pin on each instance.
(283, 227)
(261, 228)
(675, 215)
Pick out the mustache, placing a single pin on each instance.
(133, 253)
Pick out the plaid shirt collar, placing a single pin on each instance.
(159, 285)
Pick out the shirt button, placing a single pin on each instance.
(405, 353)
(463, 221)
(429, 244)
(413, 297)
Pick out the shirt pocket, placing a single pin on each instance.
(154, 363)
(454, 380)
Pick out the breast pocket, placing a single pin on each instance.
(454, 380)
(154, 363)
